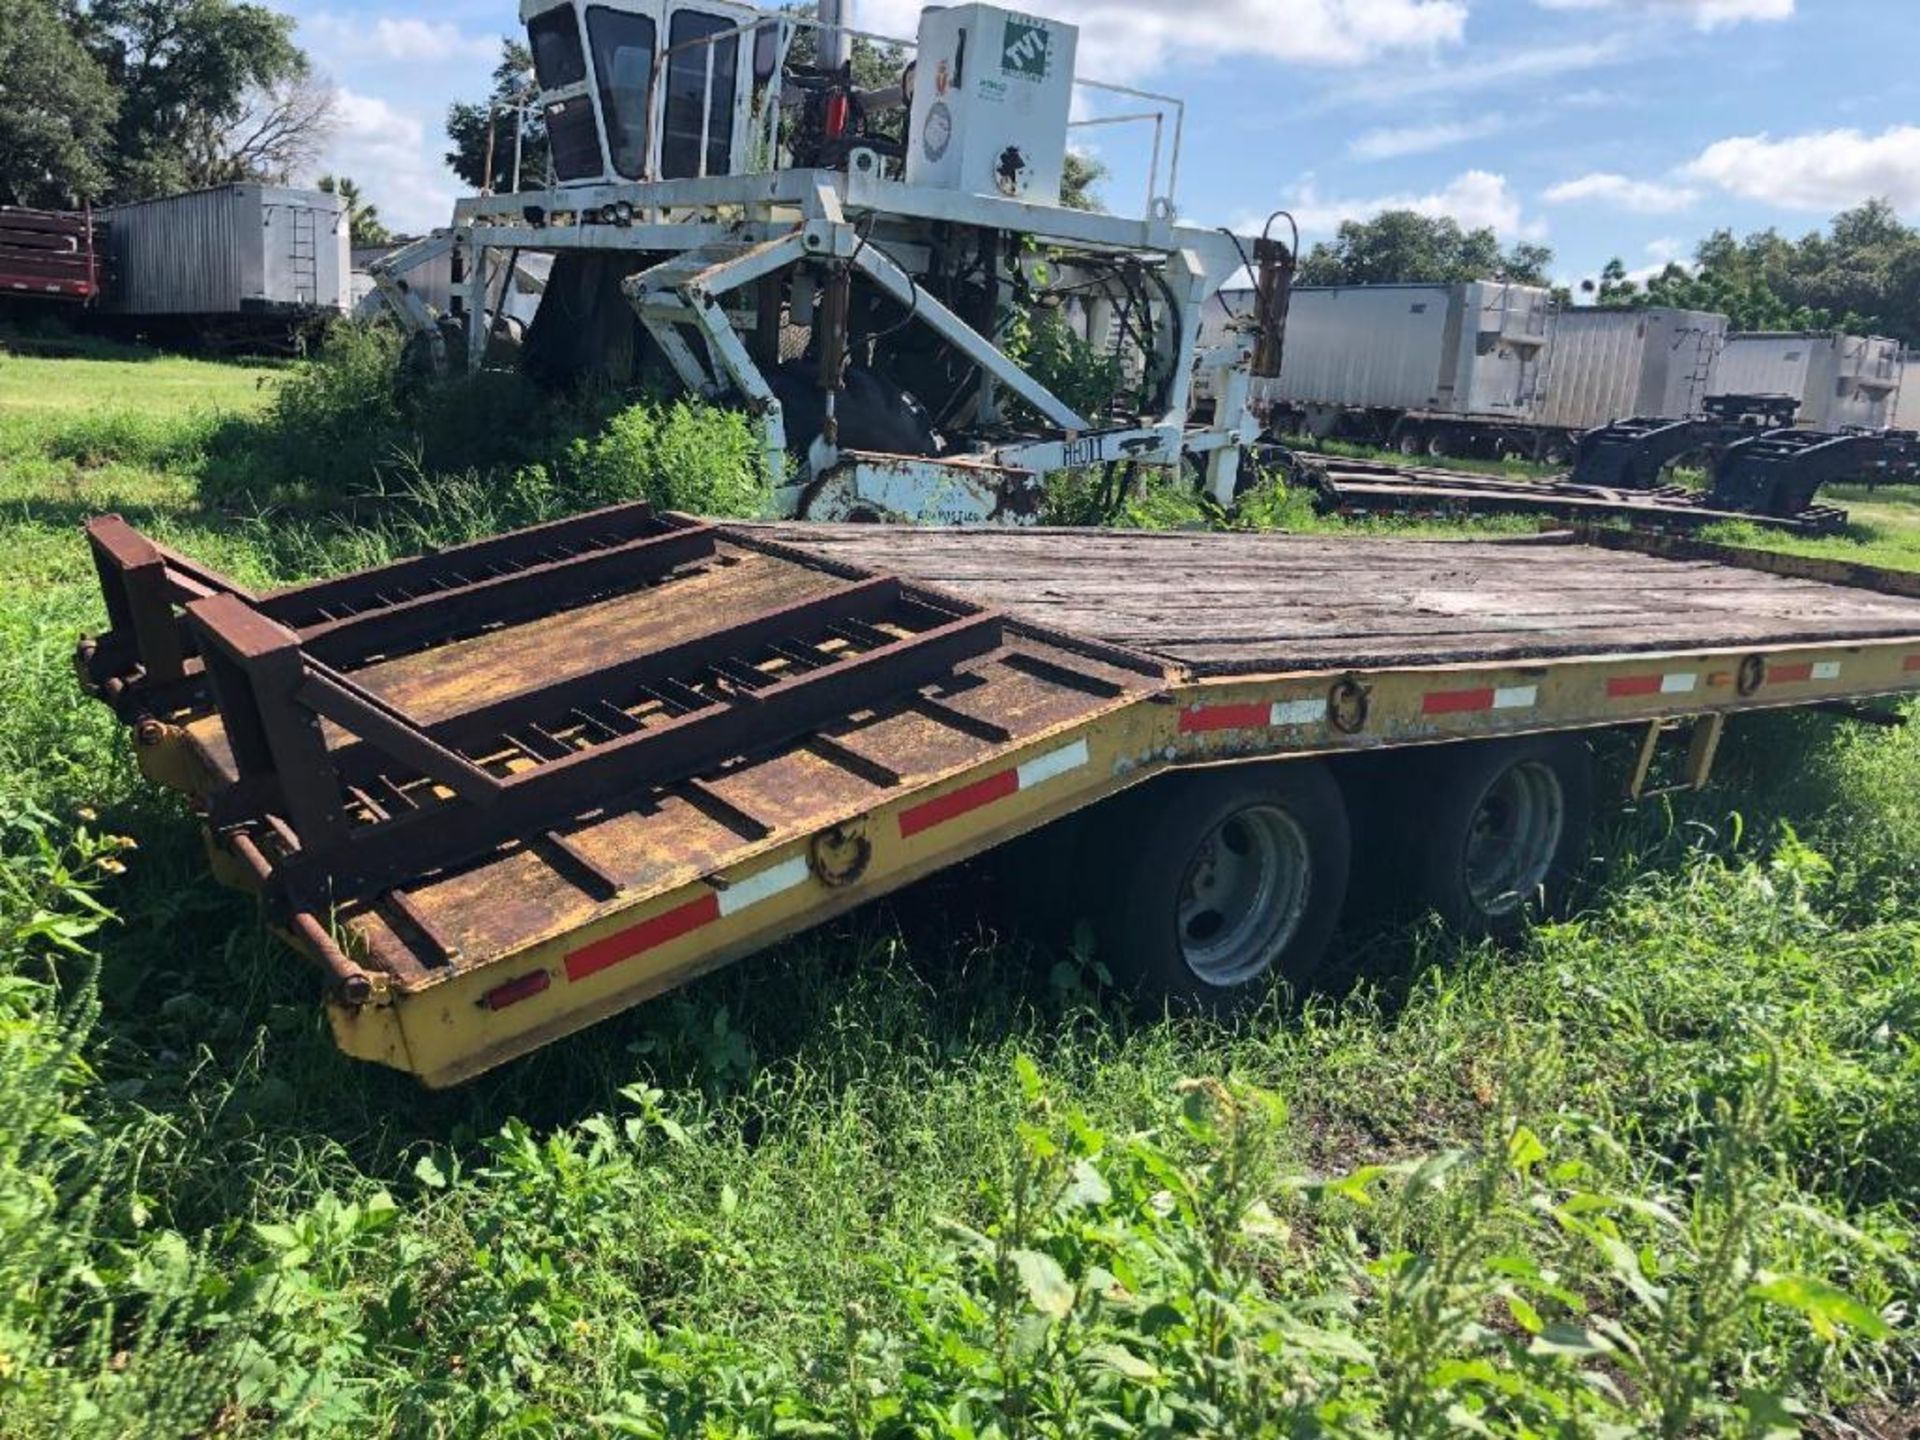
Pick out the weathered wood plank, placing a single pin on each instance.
(1238, 602)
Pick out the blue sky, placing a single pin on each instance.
(1600, 127)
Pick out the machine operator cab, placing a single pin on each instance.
(673, 97)
(642, 90)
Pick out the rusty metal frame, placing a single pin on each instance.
(148, 587)
(273, 693)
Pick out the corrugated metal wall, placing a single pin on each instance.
(1611, 365)
(1367, 346)
(234, 249)
(1449, 349)
(1839, 380)
(1906, 410)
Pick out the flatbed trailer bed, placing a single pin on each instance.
(502, 791)
(1362, 488)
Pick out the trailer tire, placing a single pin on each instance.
(1439, 445)
(1224, 879)
(1501, 831)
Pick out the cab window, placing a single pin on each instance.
(555, 40)
(623, 66)
(687, 95)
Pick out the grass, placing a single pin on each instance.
(1656, 1172)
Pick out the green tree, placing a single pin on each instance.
(364, 226)
(186, 71)
(56, 108)
(1403, 246)
(1862, 274)
(1615, 291)
(469, 121)
(1079, 182)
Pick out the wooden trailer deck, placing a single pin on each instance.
(503, 790)
(1222, 604)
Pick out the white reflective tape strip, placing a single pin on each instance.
(1297, 712)
(1678, 684)
(774, 880)
(1055, 762)
(1516, 697)
(1827, 670)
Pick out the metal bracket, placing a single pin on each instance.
(1703, 744)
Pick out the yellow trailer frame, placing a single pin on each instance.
(1081, 720)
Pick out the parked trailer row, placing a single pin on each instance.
(502, 791)
(1496, 369)
(248, 262)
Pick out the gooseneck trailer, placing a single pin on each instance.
(501, 791)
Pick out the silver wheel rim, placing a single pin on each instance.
(1244, 895)
(1514, 836)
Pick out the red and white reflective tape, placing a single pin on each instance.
(997, 786)
(1474, 702)
(1803, 671)
(684, 919)
(1670, 682)
(1254, 715)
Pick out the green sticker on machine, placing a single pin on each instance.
(1028, 51)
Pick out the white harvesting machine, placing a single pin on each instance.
(730, 212)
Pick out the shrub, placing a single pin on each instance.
(352, 426)
(680, 456)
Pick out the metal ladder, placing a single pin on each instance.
(304, 256)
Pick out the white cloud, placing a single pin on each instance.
(394, 156)
(1660, 254)
(1475, 198)
(1825, 170)
(1394, 141)
(1485, 70)
(1701, 14)
(1643, 197)
(404, 42)
(1127, 39)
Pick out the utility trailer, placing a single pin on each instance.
(1425, 369)
(229, 253)
(51, 255)
(1840, 382)
(504, 790)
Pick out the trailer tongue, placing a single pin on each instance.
(503, 790)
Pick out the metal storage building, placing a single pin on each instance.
(1474, 349)
(1841, 381)
(233, 250)
(1607, 365)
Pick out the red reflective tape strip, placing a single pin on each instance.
(1912, 663)
(638, 939)
(1455, 702)
(514, 991)
(1225, 717)
(943, 808)
(1622, 686)
(1789, 674)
